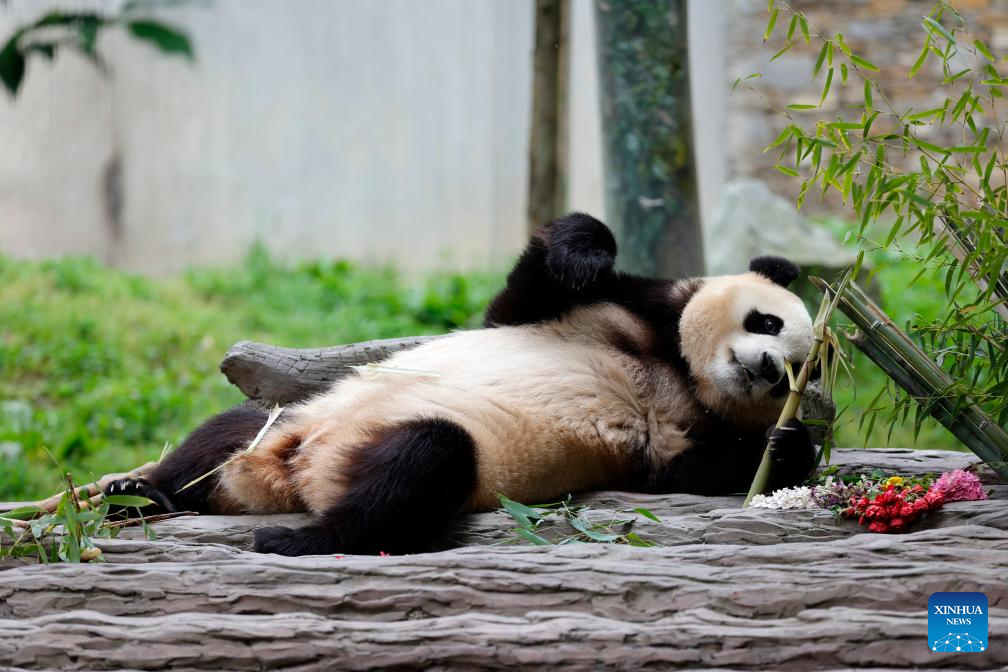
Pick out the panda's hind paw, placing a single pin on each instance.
(138, 487)
(581, 250)
(291, 541)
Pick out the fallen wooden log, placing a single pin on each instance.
(272, 374)
(695, 638)
(742, 589)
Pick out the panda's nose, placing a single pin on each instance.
(768, 369)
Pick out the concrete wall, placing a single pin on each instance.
(375, 130)
(370, 130)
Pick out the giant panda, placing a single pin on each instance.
(583, 378)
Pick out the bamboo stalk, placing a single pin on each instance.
(913, 370)
(761, 481)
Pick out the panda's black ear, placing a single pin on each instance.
(780, 270)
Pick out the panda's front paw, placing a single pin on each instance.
(138, 487)
(581, 250)
(792, 452)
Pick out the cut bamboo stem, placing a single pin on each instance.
(913, 370)
(761, 481)
(762, 478)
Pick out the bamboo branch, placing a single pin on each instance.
(913, 370)
(963, 249)
(821, 335)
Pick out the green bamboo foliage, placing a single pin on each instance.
(935, 391)
(929, 185)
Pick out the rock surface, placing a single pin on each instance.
(728, 588)
(750, 221)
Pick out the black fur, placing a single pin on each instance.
(723, 459)
(780, 270)
(793, 453)
(212, 443)
(570, 263)
(403, 491)
(567, 263)
(139, 487)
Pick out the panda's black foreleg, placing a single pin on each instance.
(793, 454)
(209, 445)
(404, 490)
(724, 460)
(568, 262)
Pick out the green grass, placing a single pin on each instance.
(100, 368)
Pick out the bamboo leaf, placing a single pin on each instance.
(530, 536)
(864, 63)
(921, 58)
(820, 59)
(128, 500)
(647, 514)
(770, 24)
(982, 48)
(826, 87)
(933, 26)
(787, 48)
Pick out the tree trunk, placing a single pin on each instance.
(547, 192)
(651, 190)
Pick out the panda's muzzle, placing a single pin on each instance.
(768, 370)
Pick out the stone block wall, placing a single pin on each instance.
(888, 32)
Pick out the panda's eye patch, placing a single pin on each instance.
(761, 323)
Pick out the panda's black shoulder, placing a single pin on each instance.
(659, 305)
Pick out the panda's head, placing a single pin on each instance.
(737, 331)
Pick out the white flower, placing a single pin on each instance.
(785, 498)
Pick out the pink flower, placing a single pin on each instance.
(959, 486)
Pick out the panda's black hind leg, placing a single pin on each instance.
(567, 263)
(404, 489)
(208, 445)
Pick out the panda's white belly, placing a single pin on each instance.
(549, 415)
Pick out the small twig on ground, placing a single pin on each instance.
(133, 522)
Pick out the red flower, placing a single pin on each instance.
(894, 509)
